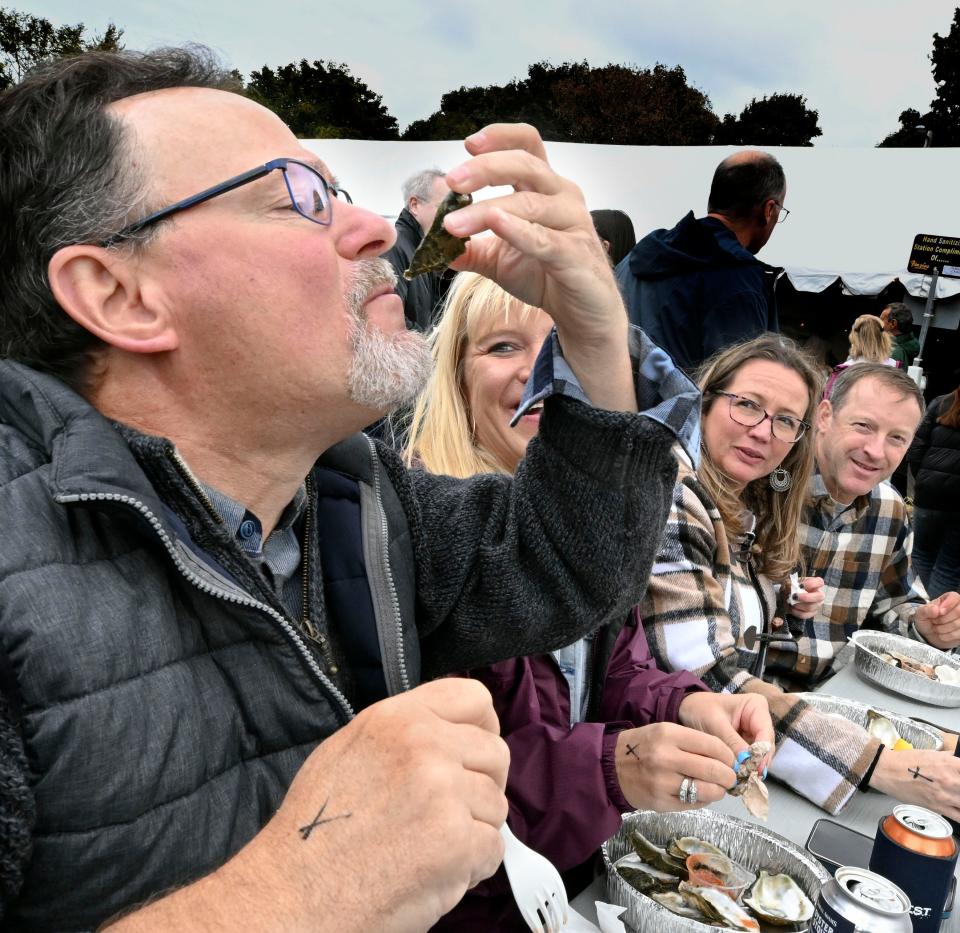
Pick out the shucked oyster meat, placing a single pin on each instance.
(439, 248)
(749, 786)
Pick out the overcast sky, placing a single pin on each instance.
(858, 62)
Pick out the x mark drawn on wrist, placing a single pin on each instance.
(318, 820)
(632, 750)
(916, 774)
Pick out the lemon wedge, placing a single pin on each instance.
(901, 745)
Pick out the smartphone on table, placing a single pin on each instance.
(835, 844)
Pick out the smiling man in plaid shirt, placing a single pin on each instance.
(857, 544)
(857, 538)
(856, 535)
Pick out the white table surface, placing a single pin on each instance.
(791, 815)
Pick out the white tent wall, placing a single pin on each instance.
(853, 212)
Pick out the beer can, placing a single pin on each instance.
(915, 849)
(859, 901)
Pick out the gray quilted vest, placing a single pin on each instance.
(164, 711)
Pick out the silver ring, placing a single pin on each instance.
(692, 792)
(684, 790)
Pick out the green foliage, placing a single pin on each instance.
(572, 102)
(27, 40)
(777, 120)
(322, 100)
(912, 131)
(943, 117)
(945, 109)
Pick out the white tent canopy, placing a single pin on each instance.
(853, 212)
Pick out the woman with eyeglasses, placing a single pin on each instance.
(722, 576)
(594, 729)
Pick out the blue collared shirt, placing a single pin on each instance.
(665, 393)
(279, 556)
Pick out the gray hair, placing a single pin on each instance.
(419, 186)
(894, 379)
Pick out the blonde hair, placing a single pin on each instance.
(868, 339)
(777, 544)
(441, 437)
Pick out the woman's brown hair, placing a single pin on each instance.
(777, 545)
(951, 417)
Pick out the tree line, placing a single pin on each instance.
(570, 102)
(940, 124)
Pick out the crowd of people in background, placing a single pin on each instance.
(257, 667)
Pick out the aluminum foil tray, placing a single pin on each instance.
(753, 846)
(868, 646)
(916, 733)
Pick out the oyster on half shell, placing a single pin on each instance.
(643, 876)
(881, 728)
(683, 905)
(652, 854)
(682, 846)
(778, 899)
(717, 906)
(947, 674)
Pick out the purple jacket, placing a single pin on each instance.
(565, 800)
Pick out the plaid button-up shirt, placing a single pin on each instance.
(862, 551)
(693, 616)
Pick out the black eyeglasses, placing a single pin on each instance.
(784, 212)
(310, 193)
(747, 412)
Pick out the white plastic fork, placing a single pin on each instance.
(537, 886)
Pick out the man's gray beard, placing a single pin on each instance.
(386, 371)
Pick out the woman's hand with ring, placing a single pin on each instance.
(652, 761)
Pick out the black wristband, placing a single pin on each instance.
(865, 780)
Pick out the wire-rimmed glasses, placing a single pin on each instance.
(747, 412)
(310, 194)
(784, 212)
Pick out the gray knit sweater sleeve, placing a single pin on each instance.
(515, 566)
(17, 813)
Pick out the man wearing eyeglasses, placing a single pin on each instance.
(856, 537)
(216, 597)
(699, 286)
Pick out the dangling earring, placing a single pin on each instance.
(780, 480)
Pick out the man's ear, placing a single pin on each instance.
(770, 210)
(101, 291)
(824, 415)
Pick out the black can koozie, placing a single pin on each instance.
(925, 879)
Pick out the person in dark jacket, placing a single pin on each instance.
(699, 287)
(898, 322)
(934, 458)
(217, 598)
(422, 194)
(594, 729)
